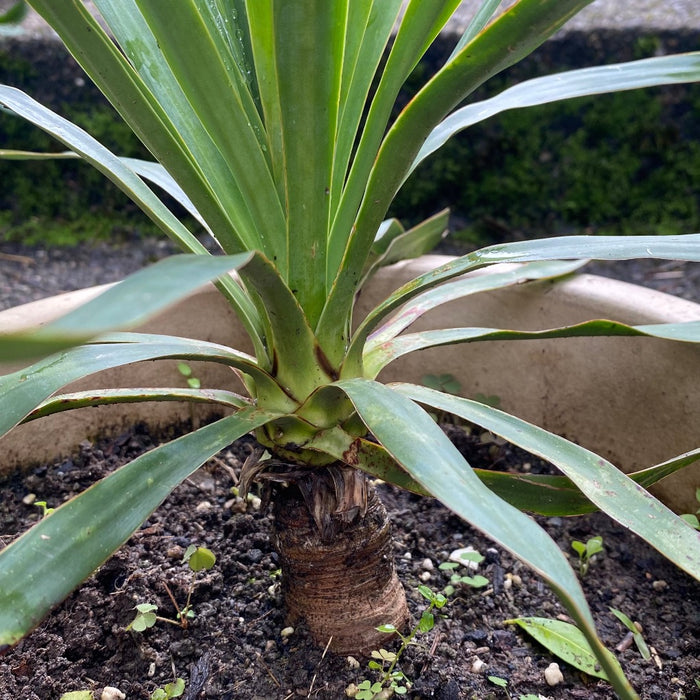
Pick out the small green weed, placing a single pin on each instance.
(586, 552)
(169, 690)
(385, 662)
(457, 579)
(198, 559)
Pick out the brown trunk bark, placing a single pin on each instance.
(340, 578)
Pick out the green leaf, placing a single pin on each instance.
(662, 70)
(426, 622)
(40, 568)
(201, 559)
(125, 305)
(104, 397)
(513, 35)
(565, 641)
(685, 247)
(15, 14)
(104, 160)
(602, 483)
(393, 244)
(299, 361)
(459, 289)
(24, 390)
(435, 463)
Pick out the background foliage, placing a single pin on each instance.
(622, 163)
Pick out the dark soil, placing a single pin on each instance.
(234, 648)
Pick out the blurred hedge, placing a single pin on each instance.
(625, 163)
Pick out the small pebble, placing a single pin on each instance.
(407, 555)
(425, 576)
(203, 507)
(287, 632)
(659, 585)
(353, 663)
(514, 579)
(352, 690)
(174, 552)
(553, 674)
(109, 693)
(478, 666)
(428, 564)
(456, 555)
(29, 499)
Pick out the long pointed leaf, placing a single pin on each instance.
(104, 160)
(124, 305)
(38, 570)
(24, 390)
(218, 95)
(514, 34)
(437, 465)
(107, 397)
(140, 105)
(606, 486)
(379, 355)
(662, 70)
(459, 289)
(686, 247)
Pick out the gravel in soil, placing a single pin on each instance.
(235, 647)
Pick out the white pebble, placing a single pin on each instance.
(352, 690)
(456, 555)
(287, 632)
(553, 674)
(203, 507)
(407, 555)
(514, 579)
(428, 564)
(109, 693)
(353, 663)
(478, 666)
(29, 499)
(425, 576)
(659, 585)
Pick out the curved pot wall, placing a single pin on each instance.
(636, 401)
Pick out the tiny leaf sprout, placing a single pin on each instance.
(145, 617)
(186, 371)
(586, 551)
(468, 558)
(198, 559)
(385, 662)
(44, 509)
(500, 682)
(169, 690)
(692, 518)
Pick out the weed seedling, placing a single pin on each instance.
(44, 509)
(198, 559)
(385, 662)
(169, 690)
(586, 551)
(459, 580)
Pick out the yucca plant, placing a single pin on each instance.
(270, 121)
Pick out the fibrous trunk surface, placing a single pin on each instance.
(344, 586)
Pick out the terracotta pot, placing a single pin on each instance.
(636, 401)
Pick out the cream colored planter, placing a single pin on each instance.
(636, 401)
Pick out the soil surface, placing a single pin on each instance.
(236, 647)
